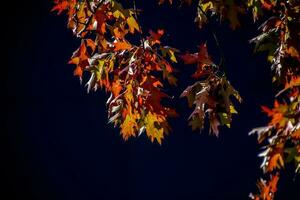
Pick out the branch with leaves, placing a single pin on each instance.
(127, 71)
(211, 94)
(280, 38)
(135, 74)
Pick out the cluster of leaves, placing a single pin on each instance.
(280, 38)
(130, 73)
(281, 137)
(224, 9)
(267, 189)
(210, 94)
(133, 74)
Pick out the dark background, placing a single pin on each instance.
(58, 145)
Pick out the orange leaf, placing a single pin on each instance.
(90, 43)
(275, 162)
(116, 88)
(74, 61)
(155, 37)
(267, 110)
(293, 52)
(78, 71)
(296, 134)
(61, 6)
(122, 45)
(101, 18)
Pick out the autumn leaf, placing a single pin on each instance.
(267, 189)
(80, 59)
(134, 70)
(133, 25)
(155, 36)
(122, 45)
(296, 134)
(90, 43)
(275, 162)
(153, 129)
(101, 18)
(129, 127)
(116, 88)
(61, 5)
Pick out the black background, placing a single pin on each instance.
(59, 146)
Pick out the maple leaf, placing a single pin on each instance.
(80, 58)
(155, 37)
(119, 32)
(200, 57)
(205, 64)
(133, 25)
(90, 43)
(153, 127)
(61, 5)
(129, 127)
(101, 18)
(276, 161)
(116, 88)
(121, 45)
(278, 114)
(267, 189)
(151, 84)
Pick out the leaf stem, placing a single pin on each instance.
(213, 32)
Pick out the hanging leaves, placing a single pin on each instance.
(267, 188)
(211, 95)
(280, 38)
(123, 69)
(134, 74)
(224, 9)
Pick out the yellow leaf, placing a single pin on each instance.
(172, 56)
(152, 121)
(207, 6)
(133, 25)
(75, 61)
(129, 126)
(233, 110)
(128, 94)
(117, 14)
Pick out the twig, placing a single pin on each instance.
(136, 18)
(222, 57)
